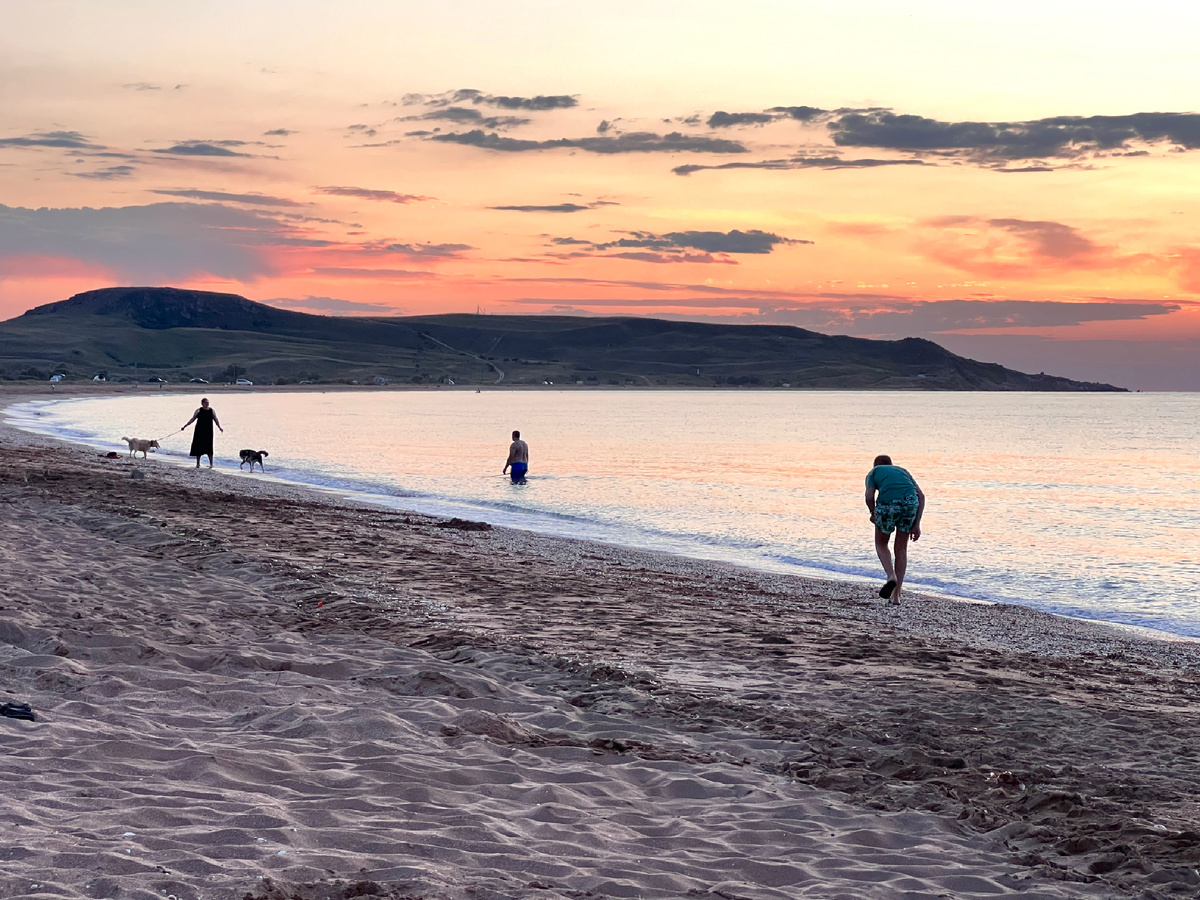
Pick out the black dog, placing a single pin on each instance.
(252, 457)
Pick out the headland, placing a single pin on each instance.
(131, 333)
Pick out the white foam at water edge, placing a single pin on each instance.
(1020, 515)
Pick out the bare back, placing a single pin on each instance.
(518, 452)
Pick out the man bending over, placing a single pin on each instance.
(898, 507)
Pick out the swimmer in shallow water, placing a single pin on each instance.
(518, 458)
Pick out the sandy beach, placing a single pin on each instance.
(247, 690)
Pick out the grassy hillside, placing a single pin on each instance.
(178, 335)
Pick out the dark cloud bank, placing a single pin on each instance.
(1055, 140)
(802, 162)
(566, 207)
(462, 115)
(226, 197)
(1059, 137)
(632, 142)
(203, 148)
(370, 194)
(61, 140)
(414, 251)
(108, 173)
(172, 241)
(672, 247)
(1041, 144)
(902, 318)
(540, 103)
(552, 208)
(721, 119)
(160, 241)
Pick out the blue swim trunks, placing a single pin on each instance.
(899, 514)
(518, 472)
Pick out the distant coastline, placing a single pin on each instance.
(197, 337)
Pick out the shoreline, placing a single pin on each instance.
(520, 539)
(239, 681)
(34, 388)
(352, 492)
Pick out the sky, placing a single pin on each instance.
(1017, 181)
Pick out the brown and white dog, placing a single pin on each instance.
(252, 457)
(139, 444)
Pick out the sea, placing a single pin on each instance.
(1085, 505)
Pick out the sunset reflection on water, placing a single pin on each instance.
(1085, 504)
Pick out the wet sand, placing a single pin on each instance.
(249, 690)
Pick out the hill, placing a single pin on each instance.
(178, 335)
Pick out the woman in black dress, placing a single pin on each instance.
(202, 438)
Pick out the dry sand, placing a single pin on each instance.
(246, 690)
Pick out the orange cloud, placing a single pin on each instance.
(1012, 248)
(1186, 265)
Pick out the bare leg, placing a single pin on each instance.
(901, 563)
(197, 462)
(885, 554)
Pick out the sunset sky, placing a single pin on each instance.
(1018, 181)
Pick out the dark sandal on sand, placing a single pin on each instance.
(18, 711)
(886, 591)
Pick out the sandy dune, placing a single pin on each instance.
(247, 692)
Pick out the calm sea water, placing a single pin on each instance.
(1085, 505)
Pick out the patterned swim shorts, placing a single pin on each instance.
(890, 516)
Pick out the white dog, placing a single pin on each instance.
(136, 444)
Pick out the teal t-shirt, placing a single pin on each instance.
(892, 482)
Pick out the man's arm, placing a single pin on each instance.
(512, 451)
(871, 502)
(915, 531)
